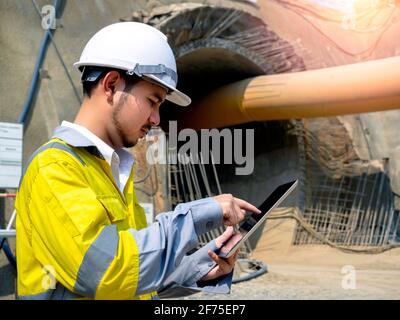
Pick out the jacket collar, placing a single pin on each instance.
(72, 137)
(76, 139)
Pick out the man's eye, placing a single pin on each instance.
(152, 102)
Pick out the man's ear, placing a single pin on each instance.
(110, 82)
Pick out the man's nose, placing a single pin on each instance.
(155, 118)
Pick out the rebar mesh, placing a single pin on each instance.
(346, 200)
(189, 182)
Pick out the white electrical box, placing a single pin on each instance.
(10, 154)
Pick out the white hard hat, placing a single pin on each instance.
(139, 49)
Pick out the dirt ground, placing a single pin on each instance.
(324, 273)
(321, 273)
(315, 271)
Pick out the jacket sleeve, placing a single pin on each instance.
(163, 248)
(185, 280)
(71, 232)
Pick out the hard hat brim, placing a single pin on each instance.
(174, 95)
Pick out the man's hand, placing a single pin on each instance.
(234, 209)
(224, 266)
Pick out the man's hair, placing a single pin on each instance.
(91, 77)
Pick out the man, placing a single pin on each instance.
(81, 232)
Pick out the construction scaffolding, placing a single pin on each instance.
(349, 202)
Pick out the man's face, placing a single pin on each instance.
(136, 111)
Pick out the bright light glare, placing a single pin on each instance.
(351, 6)
(341, 5)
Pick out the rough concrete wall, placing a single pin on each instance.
(381, 130)
(375, 136)
(20, 37)
(323, 40)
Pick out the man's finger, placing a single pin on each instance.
(224, 237)
(228, 232)
(213, 256)
(221, 262)
(246, 206)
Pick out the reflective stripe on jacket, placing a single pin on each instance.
(78, 236)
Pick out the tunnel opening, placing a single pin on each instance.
(216, 44)
(206, 65)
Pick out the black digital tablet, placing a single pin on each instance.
(253, 220)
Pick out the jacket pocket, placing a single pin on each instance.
(116, 210)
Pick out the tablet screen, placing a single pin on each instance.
(254, 220)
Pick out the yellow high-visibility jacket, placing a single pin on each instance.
(78, 236)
